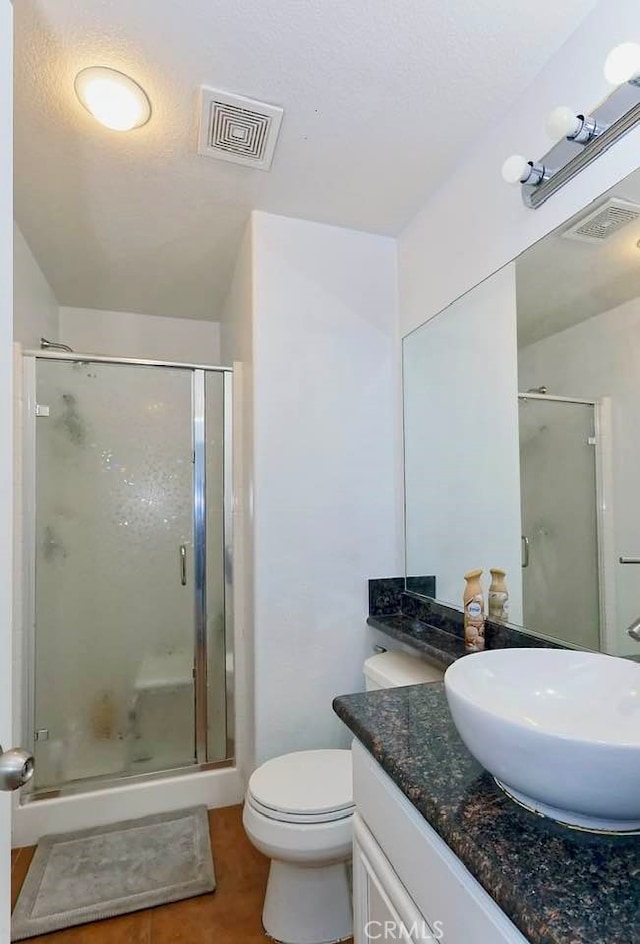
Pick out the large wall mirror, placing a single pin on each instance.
(522, 431)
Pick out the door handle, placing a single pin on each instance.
(16, 768)
(525, 551)
(183, 565)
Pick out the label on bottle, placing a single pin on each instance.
(474, 624)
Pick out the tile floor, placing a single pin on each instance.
(231, 915)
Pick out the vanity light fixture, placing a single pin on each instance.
(581, 138)
(622, 65)
(564, 123)
(113, 98)
(518, 170)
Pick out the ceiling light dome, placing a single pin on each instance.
(113, 98)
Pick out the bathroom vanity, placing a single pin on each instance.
(443, 854)
(395, 848)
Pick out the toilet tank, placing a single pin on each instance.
(390, 669)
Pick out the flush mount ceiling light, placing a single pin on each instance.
(113, 98)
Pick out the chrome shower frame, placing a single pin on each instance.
(603, 424)
(198, 414)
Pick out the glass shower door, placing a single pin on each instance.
(560, 572)
(114, 599)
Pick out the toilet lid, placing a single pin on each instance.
(308, 783)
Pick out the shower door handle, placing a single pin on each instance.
(183, 565)
(16, 768)
(525, 551)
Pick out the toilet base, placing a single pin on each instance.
(309, 905)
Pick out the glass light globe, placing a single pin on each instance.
(622, 64)
(113, 98)
(515, 168)
(562, 123)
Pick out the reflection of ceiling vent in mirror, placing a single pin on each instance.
(603, 222)
(237, 129)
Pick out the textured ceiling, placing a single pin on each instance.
(380, 99)
(561, 282)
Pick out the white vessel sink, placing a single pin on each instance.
(559, 730)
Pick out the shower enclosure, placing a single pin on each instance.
(127, 499)
(562, 461)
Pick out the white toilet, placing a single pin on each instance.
(394, 668)
(298, 811)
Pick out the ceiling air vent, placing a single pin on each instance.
(237, 129)
(603, 222)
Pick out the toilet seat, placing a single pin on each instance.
(282, 816)
(305, 787)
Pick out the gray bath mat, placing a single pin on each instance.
(111, 870)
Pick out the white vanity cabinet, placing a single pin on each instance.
(383, 909)
(408, 885)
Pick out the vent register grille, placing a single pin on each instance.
(603, 222)
(237, 129)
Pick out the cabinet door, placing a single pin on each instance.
(383, 910)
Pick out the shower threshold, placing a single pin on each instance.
(108, 781)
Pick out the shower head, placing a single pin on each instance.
(47, 345)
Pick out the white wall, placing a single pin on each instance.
(127, 334)
(326, 439)
(462, 456)
(597, 358)
(110, 333)
(6, 445)
(236, 319)
(237, 348)
(476, 223)
(35, 309)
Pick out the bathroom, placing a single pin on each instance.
(257, 320)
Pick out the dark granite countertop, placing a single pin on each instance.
(558, 886)
(435, 628)
(435, 643)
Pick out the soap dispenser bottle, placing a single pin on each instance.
(498, 595)
(473, 612)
